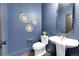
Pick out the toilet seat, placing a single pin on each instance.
(38, 45)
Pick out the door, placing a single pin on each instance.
(3, 30)
(0, 38)
(68, 23)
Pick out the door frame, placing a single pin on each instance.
(4, 20)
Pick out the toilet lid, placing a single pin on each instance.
(38, 45)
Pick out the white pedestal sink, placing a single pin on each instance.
(62, 44)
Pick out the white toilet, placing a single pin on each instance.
(40, 47)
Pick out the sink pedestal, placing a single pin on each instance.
(60, 50)
(62, 44)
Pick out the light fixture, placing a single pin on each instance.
(34, 22)
(29, 28)
(23, 17)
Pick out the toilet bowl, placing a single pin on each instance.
(40, 47)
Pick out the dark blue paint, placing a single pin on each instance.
(76, 21)
(20, 41)
(17, 36)
(49, 18)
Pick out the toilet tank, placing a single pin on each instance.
(44, 39)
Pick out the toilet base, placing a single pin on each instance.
(40, 52)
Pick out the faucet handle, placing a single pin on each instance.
(61, 37)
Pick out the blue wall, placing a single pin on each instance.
(49, 18)
(49, 14)
(76, 24)
(20, 41)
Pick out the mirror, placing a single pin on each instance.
(64, 17)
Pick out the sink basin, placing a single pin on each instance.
(62, 43)
(70, 42)
(65, 41)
